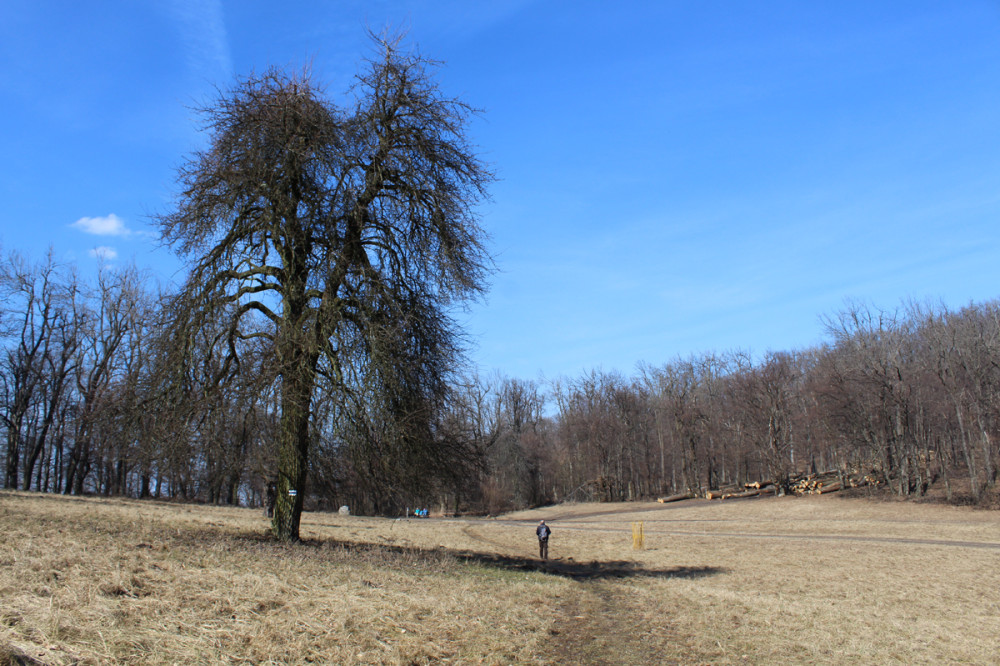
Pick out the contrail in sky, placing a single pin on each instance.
(203, 32)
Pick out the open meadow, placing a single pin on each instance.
(789, 580)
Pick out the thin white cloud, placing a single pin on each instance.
(109, 225)
(104, 253)
(203, 33)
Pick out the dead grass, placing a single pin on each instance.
(106, 582)
(796, 580)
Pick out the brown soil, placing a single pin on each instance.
(599, 625)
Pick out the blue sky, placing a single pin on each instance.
(675, 177)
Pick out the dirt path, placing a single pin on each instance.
(600, 620)
(599, 624)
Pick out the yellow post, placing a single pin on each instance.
(638, 536)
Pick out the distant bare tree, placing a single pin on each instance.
(965, 359)
(117, 309)
(762, 394)
(514, 463)
(39, 341)
(876, 390)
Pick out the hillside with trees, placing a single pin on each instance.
(95, 399)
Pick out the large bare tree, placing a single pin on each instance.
(343, 237)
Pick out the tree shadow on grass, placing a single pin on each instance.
(592, 570)
(401, 555)
(565, 567)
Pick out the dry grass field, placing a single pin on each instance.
(810, 580)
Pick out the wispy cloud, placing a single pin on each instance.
(203, 32)
(109, 225)
(104, 253)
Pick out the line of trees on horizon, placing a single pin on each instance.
(94, 400)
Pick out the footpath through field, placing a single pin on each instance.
(607, 619)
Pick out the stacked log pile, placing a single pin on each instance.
(676, 498)
(809, 484)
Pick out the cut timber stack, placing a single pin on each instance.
(752, 490)
(816, 484)
(675, 498)
(809, 484)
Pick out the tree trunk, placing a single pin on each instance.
(13, 454)
(293, 447)
(34, 450)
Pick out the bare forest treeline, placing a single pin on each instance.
(97, 399)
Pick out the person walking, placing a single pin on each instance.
(542, 532)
